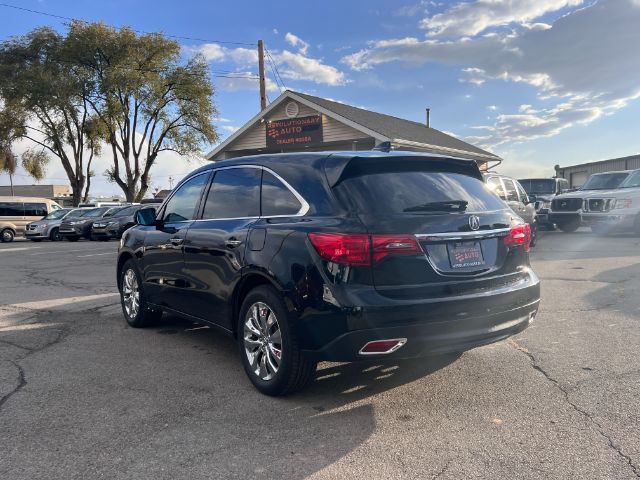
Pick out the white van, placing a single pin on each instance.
(16, 212)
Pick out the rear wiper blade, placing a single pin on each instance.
(446, 206)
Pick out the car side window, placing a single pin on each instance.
(184, 202)
(35, 209)
(234, 193)
(510, 190)
(523, 195)
(495, 185)
(11, 209)
(277, 199)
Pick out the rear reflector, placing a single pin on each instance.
(519, 235)
(360, 249)
(383, 347)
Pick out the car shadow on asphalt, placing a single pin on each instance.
(300, 434)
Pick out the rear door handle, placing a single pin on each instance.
(233, 242)
(177, 241)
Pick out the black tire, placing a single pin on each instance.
(294, 371)
(569, 226)
(55, 236)
(72, 239)
(143, 316)
(534, 234)
(7, 235)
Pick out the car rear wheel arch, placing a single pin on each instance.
(248, 283)
(122, 259)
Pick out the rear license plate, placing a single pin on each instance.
(465, 255)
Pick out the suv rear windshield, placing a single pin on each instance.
(540, 186)
(604, 181)
(416, 192)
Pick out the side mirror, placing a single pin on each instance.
(146, 217)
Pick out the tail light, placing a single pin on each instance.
(519, 235)
(361, 250)
(349, 249)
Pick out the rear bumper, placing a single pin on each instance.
(431, 328)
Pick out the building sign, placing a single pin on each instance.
(294, 132)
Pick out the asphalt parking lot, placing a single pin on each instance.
(84, 396)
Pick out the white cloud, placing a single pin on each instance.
(229, 128)
(411, 10)
(296, 66)
(212, 52)
(588, 67)
(244, 81)
(493, 108)
(297, 42)
(472, 18)
(275, 31)
(291, 65)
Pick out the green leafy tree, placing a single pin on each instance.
(45, 100)
(147, 99)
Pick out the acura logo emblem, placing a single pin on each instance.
(474, 222)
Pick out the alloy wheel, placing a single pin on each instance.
(262, 341)
(130, 293)
(7, 235)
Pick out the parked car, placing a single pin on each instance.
(566, 209)
(332, 256)
(145, 201)
(77, 226)
(17, 212)
(616, 210)
(510, 190)
(541, 191)
(113, 226)
(48, 227)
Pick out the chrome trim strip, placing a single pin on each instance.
(304, 206)
(401, 343)
(464, 235)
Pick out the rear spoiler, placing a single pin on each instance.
(337, 167)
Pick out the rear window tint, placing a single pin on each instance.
(407, 191)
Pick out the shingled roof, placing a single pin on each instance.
(398, 133)
(399, 130)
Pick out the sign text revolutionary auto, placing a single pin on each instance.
(294, 132)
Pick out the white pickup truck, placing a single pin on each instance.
(567, 209)
(616, 210)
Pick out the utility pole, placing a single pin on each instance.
(428, 117)
(263, 89)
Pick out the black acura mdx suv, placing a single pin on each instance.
(332, 256)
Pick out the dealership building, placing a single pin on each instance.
(578, 174)
(297, 122)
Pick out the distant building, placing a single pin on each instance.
(162, 194)
(578, 174)
(58, 193)
(297, 122)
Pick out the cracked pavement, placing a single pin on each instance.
(83, 396)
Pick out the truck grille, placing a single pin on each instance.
(599, 204)
(566, 204)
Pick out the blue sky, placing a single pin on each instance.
(540, 83)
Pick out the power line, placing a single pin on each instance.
(273, 71)
(61, 17)
(275, 67)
